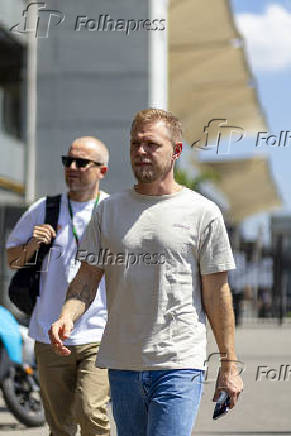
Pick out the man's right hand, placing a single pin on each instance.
(43, 234)
(21, 254)
(60, 331)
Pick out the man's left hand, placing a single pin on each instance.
(229, 380)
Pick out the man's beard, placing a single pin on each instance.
(149, 174)
(145, 175)
(76, 184)
(73, 184)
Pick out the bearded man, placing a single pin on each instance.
(154, 343)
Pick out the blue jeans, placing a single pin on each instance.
(155, 403)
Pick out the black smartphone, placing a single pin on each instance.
(222, 405)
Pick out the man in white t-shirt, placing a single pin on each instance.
(165, 253)
(73, 389)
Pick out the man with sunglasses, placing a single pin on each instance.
(73, 389)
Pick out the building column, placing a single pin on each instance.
(158, 57)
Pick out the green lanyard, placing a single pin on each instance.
(72, 218)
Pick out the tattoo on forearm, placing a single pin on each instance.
(81, 291)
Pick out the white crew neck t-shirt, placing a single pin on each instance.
(59, 271)
(153, 249)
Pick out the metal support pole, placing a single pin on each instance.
(278, 282)
(31, 108)
(257, 258)
(158, 57)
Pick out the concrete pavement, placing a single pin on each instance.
(264, 406)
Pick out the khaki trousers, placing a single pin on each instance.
(73, 390)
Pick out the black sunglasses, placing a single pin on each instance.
(80, 162)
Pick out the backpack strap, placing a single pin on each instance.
(51, 217)
(52, 210)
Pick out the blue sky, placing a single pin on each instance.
(266, 27)
(257, 6)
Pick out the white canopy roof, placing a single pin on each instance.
(247, 184)
(208, 74)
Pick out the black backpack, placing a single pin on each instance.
(24, 285)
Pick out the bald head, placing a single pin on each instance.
(90, 147)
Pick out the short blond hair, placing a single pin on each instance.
(153, 115)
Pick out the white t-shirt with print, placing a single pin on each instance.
(153, 250)
(59, 269)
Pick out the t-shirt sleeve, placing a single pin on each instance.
(23, 229)
(215, 252)
(90, 249)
